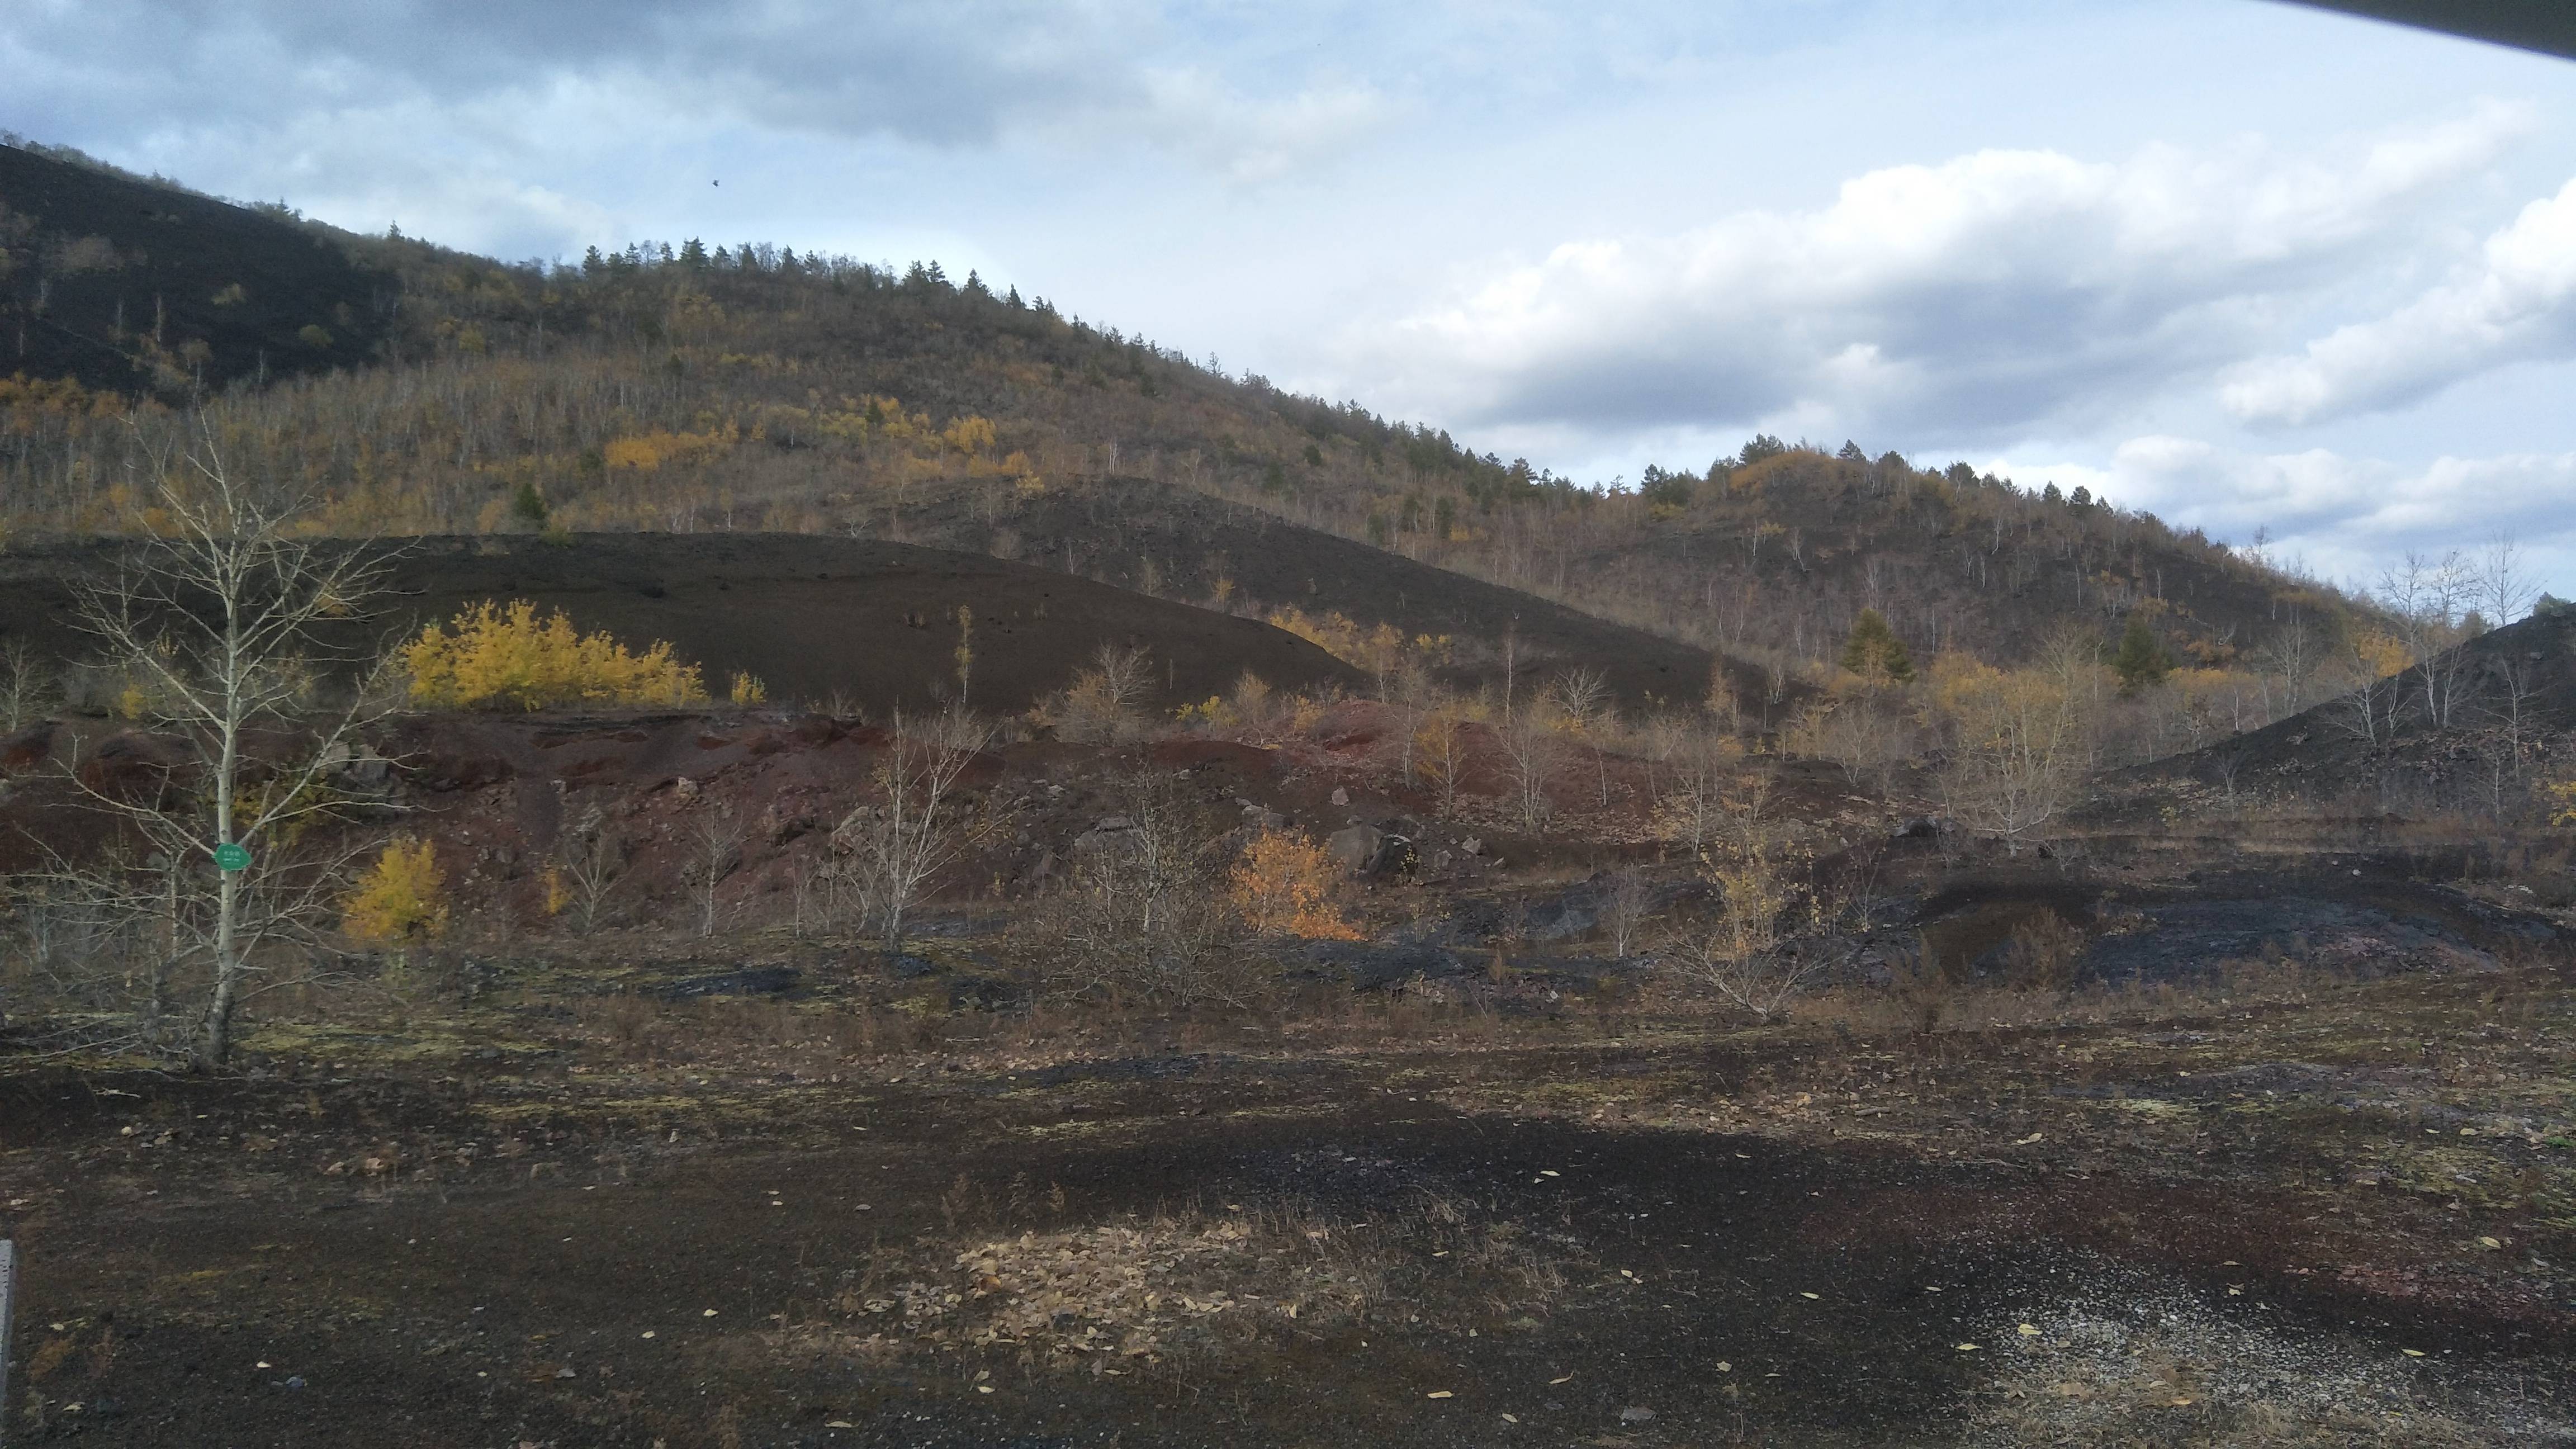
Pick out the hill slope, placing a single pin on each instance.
(127, 284)
(813, 618)
(749, 387)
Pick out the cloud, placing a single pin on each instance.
(929, 73)
(2517, 302)
(1980, 296)
(2349, 516)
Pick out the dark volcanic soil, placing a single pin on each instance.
(810, 616)
(548, 1249)
(1128, 529)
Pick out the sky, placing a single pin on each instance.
(2266, 270)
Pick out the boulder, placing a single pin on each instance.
(1355, 849)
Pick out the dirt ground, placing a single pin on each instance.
(607, 1204)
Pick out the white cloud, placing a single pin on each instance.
(1978, 296)
(2517, 302)
(2348, 516)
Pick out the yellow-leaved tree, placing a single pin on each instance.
(507, 657)
(1284, 886)
(401, 899)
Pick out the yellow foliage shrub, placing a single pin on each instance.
(649, 451)
(401, 898)
(2564, 793)
(748, 689)
(1284, 886)
(507, 656)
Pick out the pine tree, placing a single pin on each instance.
(1874, 652)
(2140, 662)
(529, 506)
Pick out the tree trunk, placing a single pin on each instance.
(228, 972)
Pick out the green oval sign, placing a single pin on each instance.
(231, 856)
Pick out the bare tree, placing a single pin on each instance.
(1530, 744)
(1124, 674)
(1747, 951)
(26, 684)
(2502, 585)
(217, 619)
(899, 842)
(1691, 808)
(2429, 597)
(1581, 697)
(715, 848)
(1143, 913)
(1627, 901)
(2293, 653)
(1440, 750)
(593, 862)
(2506, 707)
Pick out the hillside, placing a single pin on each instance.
(2476, 723)
(131, 285)
(814, 618)
(750, 388)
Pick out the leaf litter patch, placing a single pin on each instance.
(1143, 1290)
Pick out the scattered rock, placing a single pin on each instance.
(1355, 848)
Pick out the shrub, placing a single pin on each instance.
(2042, 953)
(1284, 886)
(492, 657)
(401, 898)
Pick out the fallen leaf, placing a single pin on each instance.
(2028, 1330)
(2409, 1352)
(1569, 1378)
(1510, 1419)
(1724, 1367)
(983, 1388)
(2025, 1142)
(2490, 1244)
(648, 1333)
(710, 1313)
(1966, 1347)
(1440, 1394)
(1809, 1295)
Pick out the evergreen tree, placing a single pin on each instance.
(693, 255)
(2141, 661)
(1851, 452)
(1874, 652)
(529, 506)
